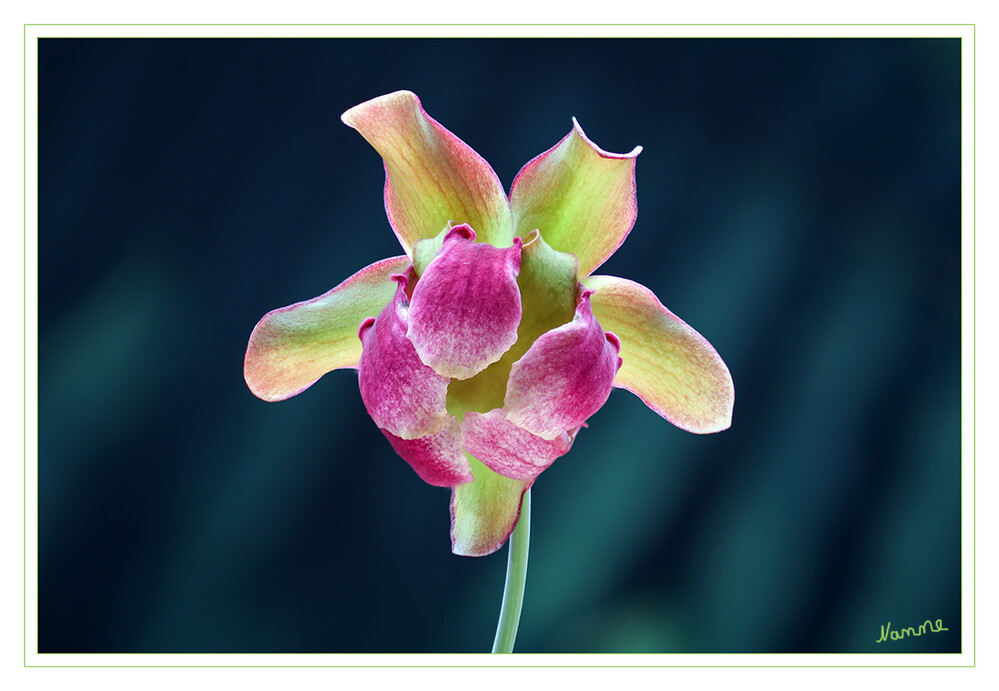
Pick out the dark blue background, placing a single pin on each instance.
(799, 204)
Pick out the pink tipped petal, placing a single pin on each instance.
(484, 512)
(437, 458)
(466, 306)
(507, 449)
(667, 364)
(565, 376)
(548, 289)
(579, 196)
(432, 177)
(403, 396)
(292, 347)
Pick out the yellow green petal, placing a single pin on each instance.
(485, 511)
(666, 363)
(579, 196)
(432, 177)
(292, 347)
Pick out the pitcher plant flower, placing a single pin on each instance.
(483, 350)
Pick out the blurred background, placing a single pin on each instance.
(799, 205)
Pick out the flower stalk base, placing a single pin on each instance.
(516, 578)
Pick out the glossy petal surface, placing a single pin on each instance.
(565, 376)
(432, 177)
(484, 512)
(667, 364)
(507, 449)
(466, 306)
(579, 196)
(292, 347)
(437, 458)
(403, 396)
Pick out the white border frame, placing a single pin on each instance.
(966, 32)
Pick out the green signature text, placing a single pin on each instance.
(926, 627)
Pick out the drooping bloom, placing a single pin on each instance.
(484, 349)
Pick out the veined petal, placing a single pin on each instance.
(437, 458)
(565, 376)
(667, 364)
(403, 396)
(431, 176)
(579, 196)
(466, 306)
(548, 289)
(484, 512)
(292, 347)
(507, 449)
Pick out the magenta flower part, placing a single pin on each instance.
(564, 377)
(508, 449)
(404, 397)
(484, 350)
(436, 457)
(466, 306)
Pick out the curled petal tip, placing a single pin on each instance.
(352, 116)
(464, 231)
(603, 154)
(530, 237)
(363, 328)
(614, 341)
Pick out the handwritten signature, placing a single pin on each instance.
(926, 627)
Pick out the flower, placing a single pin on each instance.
(482, 351)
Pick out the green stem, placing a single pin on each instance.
(516, 577)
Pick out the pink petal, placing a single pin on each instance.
(437, 458)
(292, 347)
(507, 449)
(667, 364)
(579, 196)
(403, 396)
(565, 376)
(431, 176)
(466, 306)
